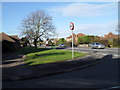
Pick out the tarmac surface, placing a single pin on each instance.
(94, 71)
(102, 75)
(16, 69)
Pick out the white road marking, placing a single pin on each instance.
(76, 49)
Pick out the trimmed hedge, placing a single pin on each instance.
(104, 42)
(116, 42)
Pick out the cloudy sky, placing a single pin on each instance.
(93, 18)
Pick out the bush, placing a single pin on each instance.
(85, 39)
(104, 42)
(110, 42)
(68, 44)
(116, 42)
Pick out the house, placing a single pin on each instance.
(75, 36)
(9, 43)
(110, 36)
(52, 40)
(80, 35)
(69, 39)
(17, 41)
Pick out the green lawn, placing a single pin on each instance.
(49, 56)
(27, 50)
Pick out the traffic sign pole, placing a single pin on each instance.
(72, 46)
(72, 28)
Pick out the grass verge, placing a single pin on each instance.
(50, 56)
(26, 50)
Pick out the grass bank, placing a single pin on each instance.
(50, 56)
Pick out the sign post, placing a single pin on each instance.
(72, 28)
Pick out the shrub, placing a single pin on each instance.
(110, 42)
(68, 44)
(85, 39)
(116, 42)
(104, 42)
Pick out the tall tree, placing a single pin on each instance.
(37, 24)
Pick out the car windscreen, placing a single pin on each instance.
(98, 44)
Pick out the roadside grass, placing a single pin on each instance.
(50, 56)
(26, 50)
(116, 47)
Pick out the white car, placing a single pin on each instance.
(97, 45)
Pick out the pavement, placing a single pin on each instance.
(18, 70)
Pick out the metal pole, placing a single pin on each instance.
(72, 46)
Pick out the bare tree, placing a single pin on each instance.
(37, 25)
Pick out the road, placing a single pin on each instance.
(101, 75)
(113, 51)
(106, 51)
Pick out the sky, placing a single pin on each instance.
(90, 18)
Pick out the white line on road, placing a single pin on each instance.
(76, 49)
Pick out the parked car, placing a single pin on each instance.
(97, 45)
(61, 45)
(47, 45)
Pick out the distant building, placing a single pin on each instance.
(69, 39)
(54, 40)
(110, 36)
(9, 42)
(17, 41)
(80, 35)
(75, 36)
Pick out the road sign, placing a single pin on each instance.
(71, 26)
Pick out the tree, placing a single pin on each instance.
(61, 41)
(37, 25)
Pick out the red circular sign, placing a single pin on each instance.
(71, 26)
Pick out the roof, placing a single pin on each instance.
(71, 36)
(110, 35)
(4, 36)
(15, 37)
(80, 34)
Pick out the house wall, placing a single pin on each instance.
(7, 46)
(16, 44)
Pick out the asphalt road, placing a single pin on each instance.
(113, 51)
(106, 51)
(101, 75)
